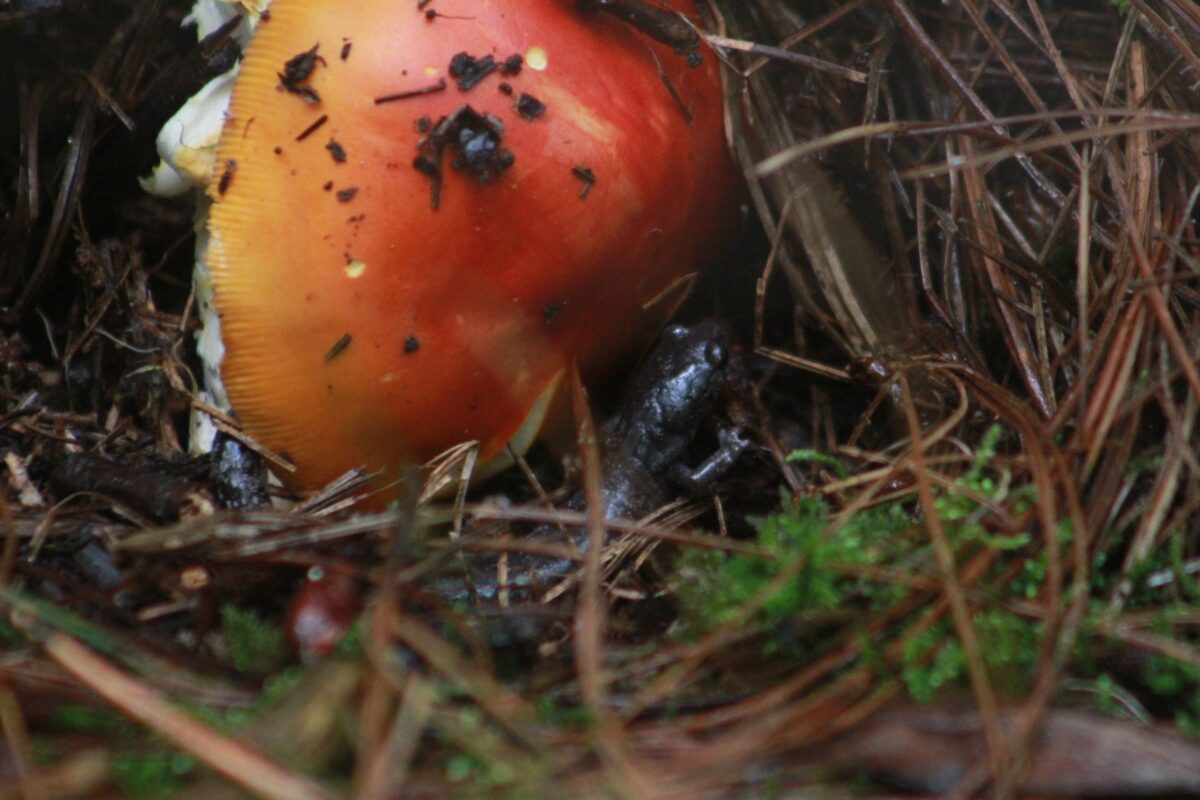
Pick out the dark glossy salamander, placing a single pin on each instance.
(672, 395)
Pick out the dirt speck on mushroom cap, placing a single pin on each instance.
(470, 279)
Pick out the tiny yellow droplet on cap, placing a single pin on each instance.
(535, 58)
(355, 269)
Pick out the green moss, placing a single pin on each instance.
(350, 645)
(279, 687)
(931, 660)
(9, 636)
(713, 586)
(961, 513)
(826, 565)
(156, 774)
(1008, 643)
(462, 767)
(551, 712)
(480, 768)
(1174, 681)
(256, 646)
(82, 717)
(465, 768)
(1105, 699)
(820, 458)
(1188, 587)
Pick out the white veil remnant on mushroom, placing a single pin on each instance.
(187, 148)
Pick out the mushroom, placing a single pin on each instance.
(418, 222)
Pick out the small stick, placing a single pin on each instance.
(430, 89)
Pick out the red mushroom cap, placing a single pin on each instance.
(363, 325)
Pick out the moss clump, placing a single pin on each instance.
(255, 645)
(712, 587)
(1175, 682)
(9, 636)
(822, 567)
(934, 659)
(81, 717)
(155, 774)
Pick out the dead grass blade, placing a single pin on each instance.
(234, 759)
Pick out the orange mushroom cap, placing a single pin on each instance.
(362, 325)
